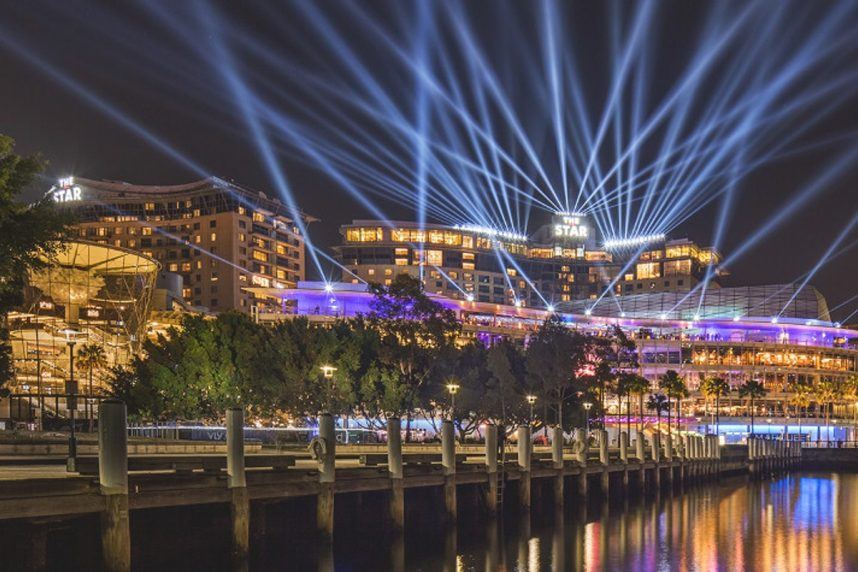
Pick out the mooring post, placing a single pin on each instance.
(668, 456)
(640, 453)
(752, 456)
(491, 491)
(239, 506)
(113, 481)
(326, 456)
(524, 450)
(557, 463)
(396, 500)
(448, 462)
(582, 447)
(604, 460)
(656, 459)
(624, 459)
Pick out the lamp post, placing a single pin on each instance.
(452, 389)
(71, 400)
(531, 399)
(587, 406)
(328, 373)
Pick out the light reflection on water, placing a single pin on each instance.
(797, 522)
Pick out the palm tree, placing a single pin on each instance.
(827, 391)
(639, 385)
(752, 389)
(658, 402)
(716, 387)
(623, 389)
(673, 386)
(90, 357)
(800, 391)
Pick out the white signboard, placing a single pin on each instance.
(570, 227)
(66, 191)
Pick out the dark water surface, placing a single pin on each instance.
(799, 522)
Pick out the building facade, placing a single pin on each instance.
(216, 235)
(559, 263)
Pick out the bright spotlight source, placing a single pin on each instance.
(329, 288)
(737, 318)
(469, 297)
(622, 314)
(588, 312)
(696, 318)
(518, 303)
(663, 317)
(550, 308)
(633, 241)
(837, 324)
(492, 232)
(775, 320)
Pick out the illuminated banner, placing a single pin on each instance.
(65, 191)
(570, 227)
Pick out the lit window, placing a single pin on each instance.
(242, 237)
(199, 264)
(213, 236)
(511, 272)
(259, 255)
(149, 206)
(388, 272)
(434, 257)
(186, 266)
(401, 262)
(467, 241)
(401, 251)
(388, 281)
(467, 256)
(468, 265)
(174, 267)
(258, 217)
(364, 234)
(371, 272)
(147, 231)
(242, 210)
(629, 277)
(648, 270)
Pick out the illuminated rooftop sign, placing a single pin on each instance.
(65, 191)
(570, 226)
(633, 241)
(492, 232)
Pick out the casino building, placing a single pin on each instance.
(560, 262)
(216, 235)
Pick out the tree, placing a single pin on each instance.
(640, 386)
(827, 392)
(800, 391)
(673, 386)
(752, 390)
(507, 367)
(658, 402)
(414, 331)
(91, 357)
(29, 235)
(556, 358)
(715, 387)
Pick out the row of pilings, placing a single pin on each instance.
(643, 463)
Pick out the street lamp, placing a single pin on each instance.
(531, 399)
(452, 389)
(587, 406)
(328, 371)
(71, 399)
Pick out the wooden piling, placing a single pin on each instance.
(525, 446)
(557, 463)
(396, 496)
(239, 506)
(113, 481)
(326, 457)
(491, 490)
(448, 461)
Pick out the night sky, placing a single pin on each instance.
(159, 67)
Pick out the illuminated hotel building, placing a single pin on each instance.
(776, 334)
(216, 235)
(560, 262)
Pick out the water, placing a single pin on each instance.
(799, 522)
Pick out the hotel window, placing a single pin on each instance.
(186, 266)
(242, 237)
(401, 262)
(242, 277)
(258, 217)
(511, 272)
(186, 292)
(117, 242)
(467, 265)
(242, 210)
(364, 234)
(174, 267)
(400, 251)
(259, 255)
(434, 257)
(281, 274)
(149, 206)
(388, 272)
(197, 239)
(677, 267)
(147, 231)
(281, 249)
(132, 243)
(198, 264)
(371, 272)
(629, 277)
(467, 256)
(388, 281)
(648, 270)
(213, 236)
(467, 241)
(101, 231)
